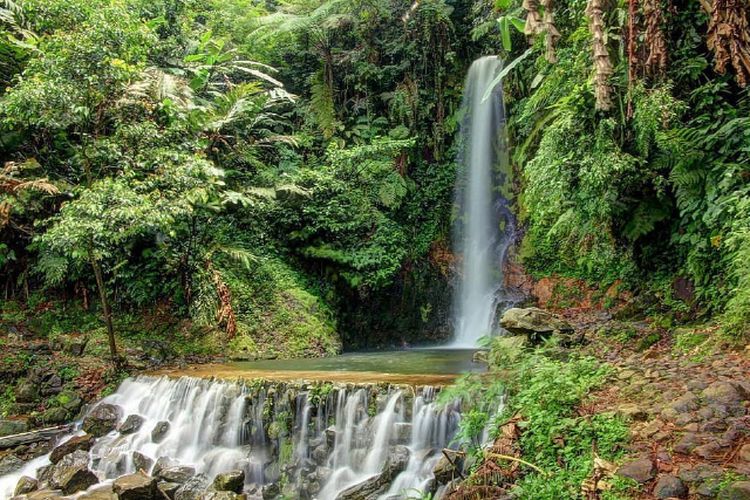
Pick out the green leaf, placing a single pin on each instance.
(505, 72)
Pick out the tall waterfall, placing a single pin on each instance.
(483, 220)
(307, 440)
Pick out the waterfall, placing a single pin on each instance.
(313, 443)
(483, 222)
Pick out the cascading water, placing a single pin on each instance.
(484, 221)
(314, 441)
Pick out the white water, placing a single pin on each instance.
(483, 224)
(217, 426)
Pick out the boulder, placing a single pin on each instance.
(193, 489)
(270, 491)
(26, 485)
(222, 495)
(162, 463)
(330, 433)
(374, 486)
(103, 492)
(45, 494)
(176, 474)
(10, 427)
(669, 486)
(739, 490)
(10, 463)
(55, 415)
(72, 474)
(102, 419)
(70, 400)
(721, 392)
(73, 444)
(445, 472)
(26, 392)
(142, 462)
(168, 490)
(533, 322)
(159, 432)
(131, 424)
(233, 480)
(641, 470)
(136, 486)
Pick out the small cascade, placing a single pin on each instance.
(309, 441)
(484, 223)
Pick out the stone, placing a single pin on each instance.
(330, 436)
(72, 474)
(99, 493)
(26, 392)
(70, 400)
(159, 432)
(401, 433)
(685, 403)
(75, 443)
(176, 474)
(651, 428)
(142, 462)
(320, 454)
(55, 415)
(707, 450)
(45, 494)
(722, 393)
(233, 480)
(744, 453)
(739, 490)
(131, 424)
(102, 419)
(669, 486)
(168, 489)
(687, 443)
(26, 485)
(162, 463)
(136, 486)
(222, 495)
(372, 487)
(44, 474)
(632, 412)
(445, 471)
(52, 386)
(533, 322)
(9, 427)
(193, 489)
(270, 491)
(641, 470)
(10, 463)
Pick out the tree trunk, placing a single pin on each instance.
(105, 307)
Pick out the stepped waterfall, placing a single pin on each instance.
(314, 441)
(484, 224)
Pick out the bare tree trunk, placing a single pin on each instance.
(105, 307)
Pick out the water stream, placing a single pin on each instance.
(484, 224)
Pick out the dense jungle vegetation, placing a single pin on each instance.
(277, 177)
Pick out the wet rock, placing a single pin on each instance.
(142, 462)
(131, 424)
(159, 432)
(739, 490)
(136, 486)
(445, 471)
(162, 463)
(26, 485)
(10, 463)
(10, 427)
(99, 493)
(75, 443)
(44, 474)
(168, 490)
(641, 470)
(320, 454)
(401, 433)
(374, 486)
(176, 474)
(669, 486)
(193, 489)
(222, 495)
(55, 415)
(72, 474)
(270, 491)
(533, 322)
(102, 419)
(233, 480)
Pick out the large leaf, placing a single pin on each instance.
(507, 69)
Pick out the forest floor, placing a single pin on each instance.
(686, 399)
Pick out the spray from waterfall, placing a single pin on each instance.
(483, 222)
